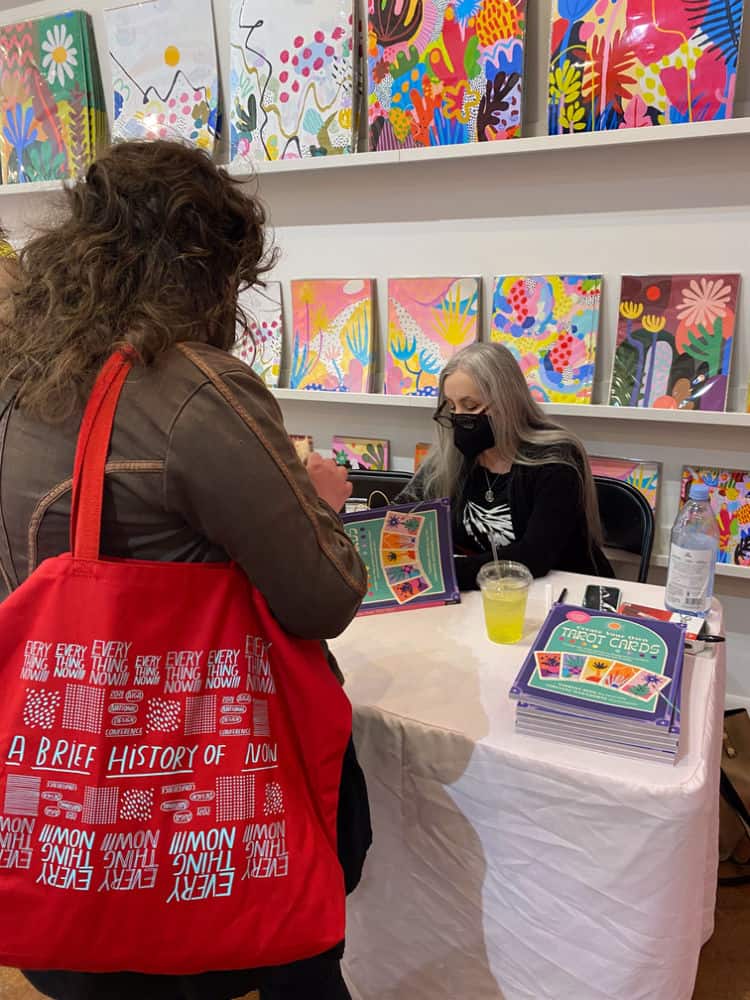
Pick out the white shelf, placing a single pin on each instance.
(539, 145)
(33, 187)
(582, 411)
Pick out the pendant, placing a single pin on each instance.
(489, 496)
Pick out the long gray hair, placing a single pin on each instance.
(523, 434)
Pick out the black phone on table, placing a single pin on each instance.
(602, 597)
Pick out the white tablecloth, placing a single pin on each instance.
(508, 866)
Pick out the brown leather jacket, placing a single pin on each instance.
(200, 469)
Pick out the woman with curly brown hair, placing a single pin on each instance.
(155, 245)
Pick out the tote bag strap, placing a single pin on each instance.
(7, 566)
(91, 457)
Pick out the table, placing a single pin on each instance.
(506, 866)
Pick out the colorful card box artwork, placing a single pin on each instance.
(292, 79)
(408, 555)
(259, 345)
(730, 501)
(421, 451)
(362, 453)
(52, 115)
(333, 336)
(429, 319)
(165, 74)
(644, 476)
(594, 660)
(625, 64)
(674, 341)
(444, 71)
(550, 323)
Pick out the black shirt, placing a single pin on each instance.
(544, 504)
(485, 510)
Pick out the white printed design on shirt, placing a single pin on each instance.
(483, 522)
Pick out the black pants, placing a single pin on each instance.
(316, 978)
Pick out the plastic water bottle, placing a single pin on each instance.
(692, 556)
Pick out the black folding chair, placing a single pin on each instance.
(377, 489)
(627, 520)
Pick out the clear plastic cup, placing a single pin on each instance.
(505, 591)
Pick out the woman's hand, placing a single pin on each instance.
(330, 480)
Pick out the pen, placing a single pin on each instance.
(712, 638)
(563, 595)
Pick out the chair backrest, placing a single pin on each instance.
(627, 520)
(377, 489)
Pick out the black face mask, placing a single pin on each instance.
(473, 436)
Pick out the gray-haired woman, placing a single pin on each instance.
(510, 472)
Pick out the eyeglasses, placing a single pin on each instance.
(446, 418)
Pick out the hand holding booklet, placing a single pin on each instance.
(603, 681)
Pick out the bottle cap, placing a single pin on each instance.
(699, 491)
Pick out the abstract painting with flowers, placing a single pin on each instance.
(644, 476)
(729, 496)
(333, 336)
(674, 341)
(52, 115)
(444, 71)
(260, 343)
(627, 64)
(361, 453)
(429, 319)
(550, 323)
(292, 89)
(165, 74)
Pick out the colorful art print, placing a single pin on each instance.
(333, 338)
(674, 341)
(407, 523)
(421, 451)
(548, 664)
(595, 669)
(52, 115)
(396, 539)
(572, 665)
(165, 74)
(303, 445)
(431, 567)
(429, 319)
(619, 675)
(361, 453)
(622, 64)
(654, 647)
(398, 557)
(550, 324)
(292, 79)
(645, 476)
(729, 496)
(444, 71)
(260, 343)
(645, 685)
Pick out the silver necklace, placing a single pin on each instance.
(489, 496)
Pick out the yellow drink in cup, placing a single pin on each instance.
(505, 590)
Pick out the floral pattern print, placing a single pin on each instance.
(444, 71)
(550, 323)
(292, 88)
(674, 341)
(630, 64)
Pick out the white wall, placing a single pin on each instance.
(657, 207)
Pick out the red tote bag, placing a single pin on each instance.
(169, 760)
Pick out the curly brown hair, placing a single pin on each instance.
(156, 245)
